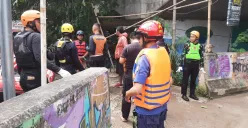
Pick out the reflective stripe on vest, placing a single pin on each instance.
(80, 47)
(193, 52)
(156, 91)
(100, 41)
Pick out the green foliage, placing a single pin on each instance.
(77, 12)
(241, 50)
(177, 78)
(175, 60)
(241, 39)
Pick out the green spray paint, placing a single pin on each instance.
(32, 123)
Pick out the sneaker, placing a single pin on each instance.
(184, 97)
(194, 97)
(118, 85)
(123, 119)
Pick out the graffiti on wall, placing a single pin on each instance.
(35, 122)
(224, 62)
(87, 107)
(220, 66)
(229, 66)
(240, 66)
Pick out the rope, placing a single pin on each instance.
(151, 16)
(153, 11)
(197, 9)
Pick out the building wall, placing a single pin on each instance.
(139, 6)
(221, 33)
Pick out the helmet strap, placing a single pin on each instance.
(145, 42)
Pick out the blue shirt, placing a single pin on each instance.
(142, 71)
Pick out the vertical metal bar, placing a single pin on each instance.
(43, 42)
(7, 50)
(174, 24)
(209, 23)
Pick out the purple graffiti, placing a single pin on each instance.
(69, 119)
(224, 66)
(212, 68)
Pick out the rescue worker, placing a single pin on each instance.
(191, 60)
(122, 42)
(97, 47)
(81, 47)
(66, 50)
(127, 59)
(152, 78)
(28, 52)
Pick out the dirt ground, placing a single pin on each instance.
(226, 112)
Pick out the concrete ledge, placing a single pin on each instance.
(77, 101)
(227, 73)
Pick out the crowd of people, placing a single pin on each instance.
(145, 69)
(143, 65)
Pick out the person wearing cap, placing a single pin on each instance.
(151, 77)
(28, 52)
(192, 60)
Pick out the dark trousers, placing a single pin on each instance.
(119, 68)
(30, 79)
(128, 84)
(152, 121)
(191, 69)
(70, 68)
(97, 61)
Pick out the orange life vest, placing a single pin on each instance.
(100, 41)
(80, 47)
(156, 91)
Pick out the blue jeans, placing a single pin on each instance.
(152, 121)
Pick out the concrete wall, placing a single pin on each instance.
(80, 101)
(221, 33)
(227, 73)
(139, 6)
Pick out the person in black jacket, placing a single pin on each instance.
(28, 52)
(66, 51)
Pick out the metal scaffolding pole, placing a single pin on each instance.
(7, 49)
(209, 25)
(174, 24)
(43, 42)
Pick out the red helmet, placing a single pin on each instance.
(152, 29)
